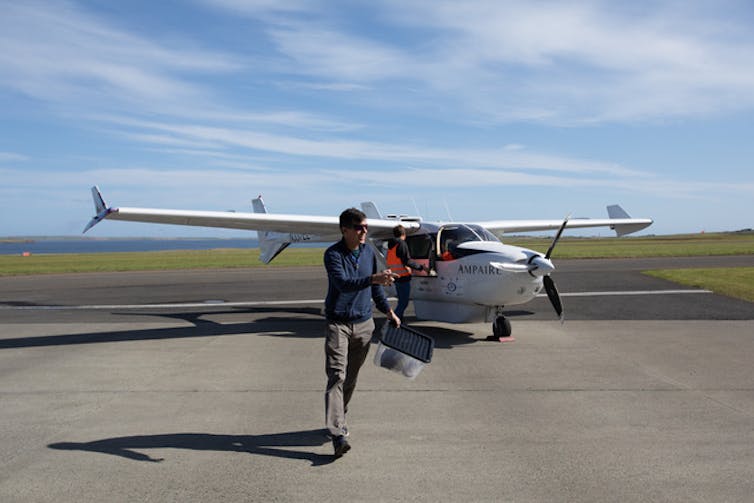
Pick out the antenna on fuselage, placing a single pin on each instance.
(447, 210)
(416, 208)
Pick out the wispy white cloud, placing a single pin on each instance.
(328, 86)
(331, 54)
(238, 160)
(12, 157)
(287, 118)
(76, 58)
(166, 140)
(233, 177)
(506, 156)
(592, 61)
(567, 63)
(258, 8)
(553, 62)
(470, 179)
(428, 92)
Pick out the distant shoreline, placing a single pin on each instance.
(29, 245)
(32, 239)
(16, 240)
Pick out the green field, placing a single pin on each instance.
(733, 282)
(678, 245)
(220, 258)
(737, 282)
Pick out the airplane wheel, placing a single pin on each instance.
(501, 327)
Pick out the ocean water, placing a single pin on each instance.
(84, 245)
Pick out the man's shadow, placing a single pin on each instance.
(275, 444)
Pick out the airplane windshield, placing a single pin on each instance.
(484, 234)
(452, 235)
(463, 233)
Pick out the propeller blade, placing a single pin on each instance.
(557, 236)
(552, 294)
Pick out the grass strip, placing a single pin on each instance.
(569, 247)
(681, 245)
(735, 282)
(12, 265)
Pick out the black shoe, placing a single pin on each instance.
(340, 445)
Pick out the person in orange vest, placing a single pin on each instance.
(399, 262)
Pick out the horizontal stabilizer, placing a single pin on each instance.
(271, 246)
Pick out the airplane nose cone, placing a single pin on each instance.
(541, 266)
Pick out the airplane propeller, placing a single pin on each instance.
(557, 236)
(550, 288)
(552, 294)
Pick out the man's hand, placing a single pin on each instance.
(393, 318)
(384, 278)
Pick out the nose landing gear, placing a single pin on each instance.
(501, 330)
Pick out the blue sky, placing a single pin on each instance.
(476, 109)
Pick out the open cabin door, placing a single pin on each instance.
(421, 247)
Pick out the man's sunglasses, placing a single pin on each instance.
(360, 227)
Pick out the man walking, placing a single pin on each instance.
(353, 282)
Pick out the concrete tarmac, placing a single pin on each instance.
(635, 398)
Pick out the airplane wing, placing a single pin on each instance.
(619, 221)
(325, 228)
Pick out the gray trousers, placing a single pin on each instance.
(346, 348)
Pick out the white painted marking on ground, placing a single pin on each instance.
(213, 303)
(261, 303)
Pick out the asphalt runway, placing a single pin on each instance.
(208, 385)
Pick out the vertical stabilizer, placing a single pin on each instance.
(99, 201)
(258, 205)
(370, 209)
(616, 212)
(100, 208)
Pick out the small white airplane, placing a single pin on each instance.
(473, 275)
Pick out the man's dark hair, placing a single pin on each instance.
(351, 216)
(399, 231)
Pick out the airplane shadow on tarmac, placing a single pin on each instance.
(200, 327)
(274, 444)
(311, 325)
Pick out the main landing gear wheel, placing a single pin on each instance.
(501, 330)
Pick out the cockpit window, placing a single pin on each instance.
(452, 235)
(484, 234)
